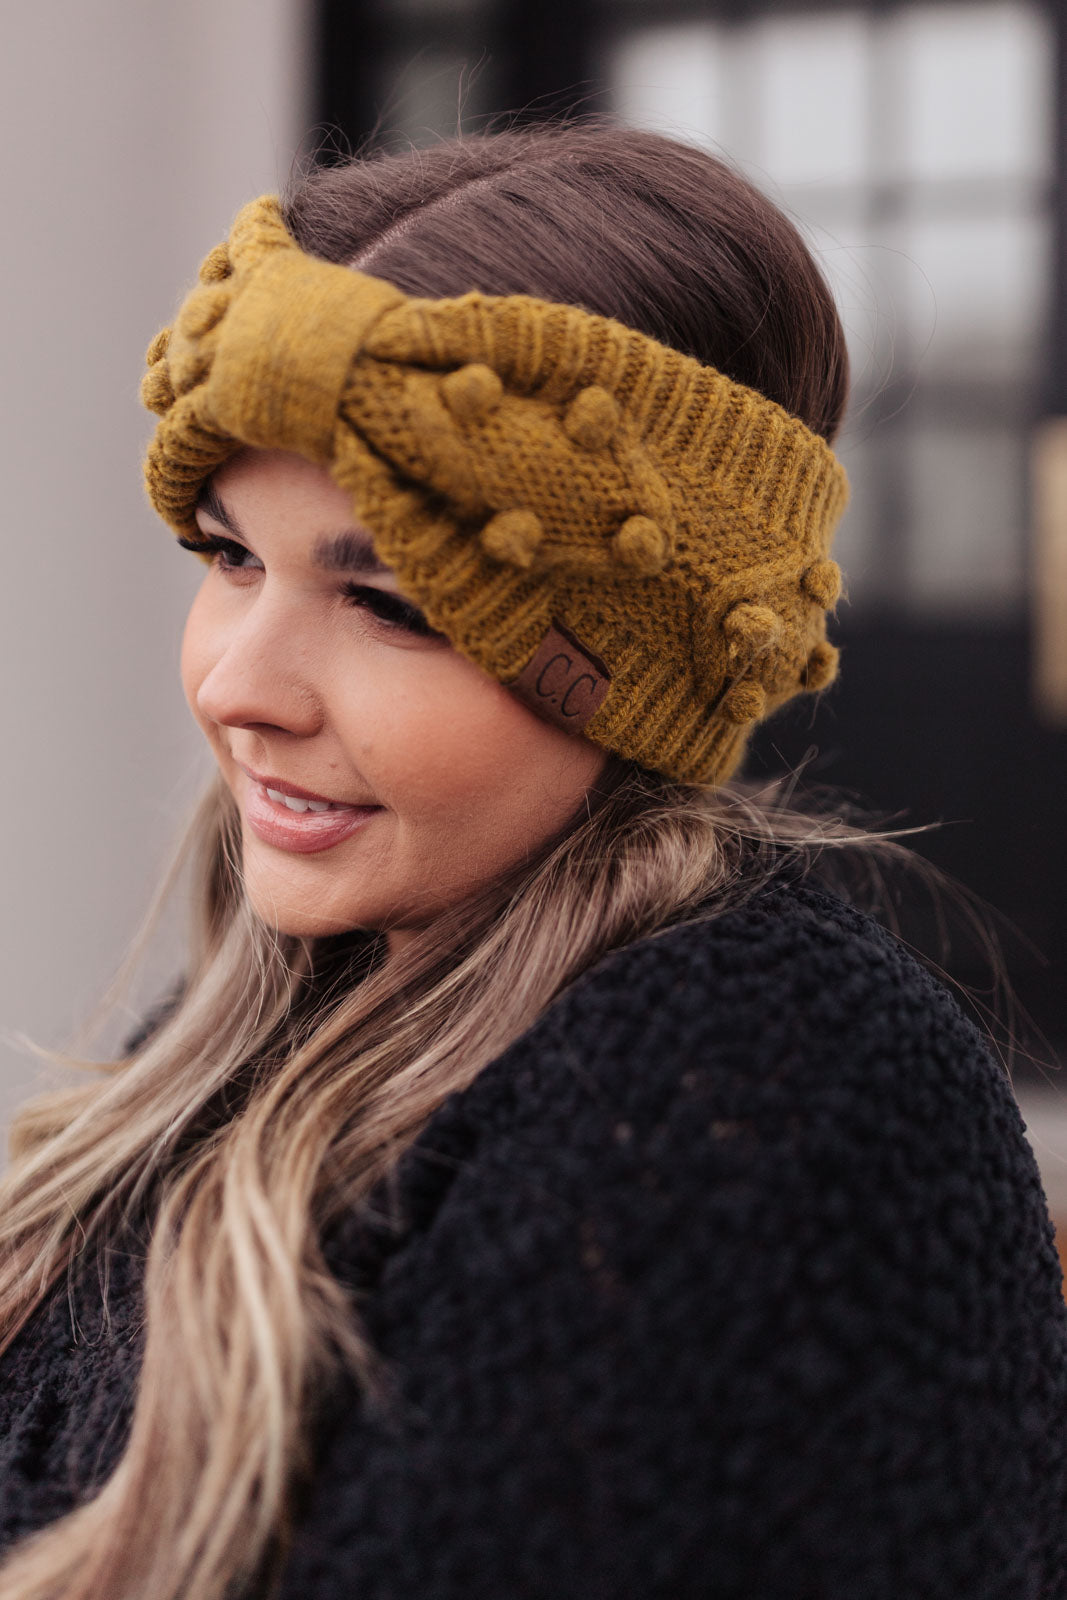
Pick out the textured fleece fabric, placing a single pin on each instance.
(733, 1277)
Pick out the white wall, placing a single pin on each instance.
(130, 132)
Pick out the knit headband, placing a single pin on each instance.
(633, 543)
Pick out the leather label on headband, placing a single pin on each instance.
(564, 682)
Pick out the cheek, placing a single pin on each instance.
(447, 739)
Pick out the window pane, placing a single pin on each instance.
(976, 91)
(976, 290)
(810, 74)
(673, 79)
(913, 147)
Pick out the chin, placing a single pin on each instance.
(307, 909)
(297, 916)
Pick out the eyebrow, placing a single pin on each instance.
(347, 551)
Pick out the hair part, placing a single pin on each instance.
(663, 237)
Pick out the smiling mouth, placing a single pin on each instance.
(294, 823)
(299, 800)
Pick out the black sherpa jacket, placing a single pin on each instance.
(733, 1279)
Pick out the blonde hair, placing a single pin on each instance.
(276, 1097)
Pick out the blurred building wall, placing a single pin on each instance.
(131, 135)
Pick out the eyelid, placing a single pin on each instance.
(410, 619)
(216, 544)
(210, 533)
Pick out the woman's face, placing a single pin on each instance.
(310, 675)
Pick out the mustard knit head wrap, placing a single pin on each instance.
(635, 544)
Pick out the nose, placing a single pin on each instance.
(263, 675)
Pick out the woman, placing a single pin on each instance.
(538, 1185)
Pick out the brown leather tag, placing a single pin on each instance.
(564, 682)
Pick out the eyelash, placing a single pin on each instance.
(386, 608)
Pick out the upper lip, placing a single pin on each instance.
(280, 786)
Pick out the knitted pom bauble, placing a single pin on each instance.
(216, 265)
(641, 545)
(591, 418)
(632, 542)
(513, 536)
(157, 391)
(472, 392)
(745, 702)
(822, 583)
(750, 630)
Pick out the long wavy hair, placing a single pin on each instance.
(290, 1074)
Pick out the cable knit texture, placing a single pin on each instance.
(524, 467)
(732, 1278)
